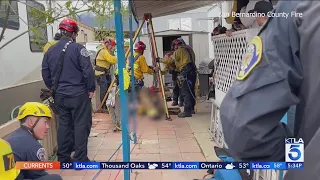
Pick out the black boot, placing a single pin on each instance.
(184, 114)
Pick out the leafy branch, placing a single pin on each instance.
(39, 19)
(5, 20)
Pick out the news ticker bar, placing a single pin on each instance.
(160, 165)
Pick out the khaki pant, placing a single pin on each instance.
(113, 105)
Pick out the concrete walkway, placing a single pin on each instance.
(178, 140)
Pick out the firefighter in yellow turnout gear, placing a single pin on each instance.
(103, 62)
(182, 60)
(56, 38)
(141, 67)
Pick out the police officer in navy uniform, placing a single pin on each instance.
(280, 70)
(35, 119)
(76, 86)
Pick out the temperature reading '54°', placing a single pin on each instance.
(244, 166)
(165, 165)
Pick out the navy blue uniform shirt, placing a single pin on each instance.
(77, 76)
(26, 148)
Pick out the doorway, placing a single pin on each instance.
(167, 40)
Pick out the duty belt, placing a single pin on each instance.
(98, 68)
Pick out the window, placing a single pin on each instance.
(174, 24)
(167, 41)
(186, 24)
(39, 37)
(13, 18)
(180, 24)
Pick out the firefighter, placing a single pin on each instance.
(56, 38)
(34, 118)
(189, 48)
(177, 97)
(72, 91)
(8, 168)
(103, 63)
(280, 69)
(193, 57)
(187, 75)
(140, 65)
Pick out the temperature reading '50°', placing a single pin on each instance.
(66, 165)
(244, 166)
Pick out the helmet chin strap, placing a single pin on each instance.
(34, 125)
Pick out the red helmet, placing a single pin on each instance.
(69, 25)
(168, 54)
(110, 42)
(140, 46)
(175, 43)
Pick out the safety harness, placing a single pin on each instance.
(98, 68)
(59, 68)
(48, 95)
(137, 82)
(182, 76)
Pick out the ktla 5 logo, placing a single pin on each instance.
(294, 150)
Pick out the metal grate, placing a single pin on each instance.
(228, 52)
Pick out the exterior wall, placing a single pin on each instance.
(200, 45)
(86, 33)
(197, 21)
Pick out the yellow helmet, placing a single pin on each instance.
(34, 109)
(126, 43)
(7, 163)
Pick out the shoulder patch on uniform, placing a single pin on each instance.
(84, 52)
(251, 59)
(41, 154)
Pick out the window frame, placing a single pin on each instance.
(29, 33)
(10, 26)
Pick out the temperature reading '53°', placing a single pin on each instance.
(244, 166)
(165, 165)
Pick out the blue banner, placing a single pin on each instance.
(268, 165)
(295, 165)
(185, 165)
(182, 165)
(86, 165)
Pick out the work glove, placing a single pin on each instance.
(156, 69)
